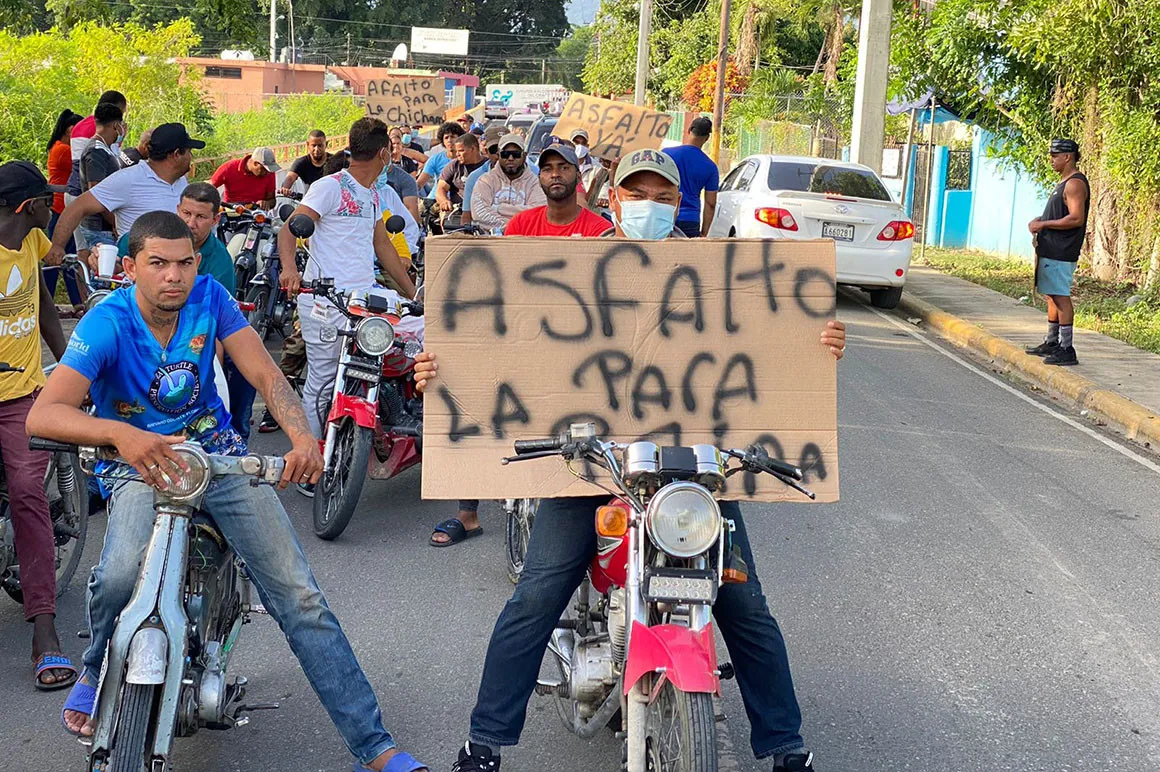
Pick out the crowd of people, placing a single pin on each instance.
(178, 317)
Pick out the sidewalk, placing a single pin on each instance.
(1117, 381)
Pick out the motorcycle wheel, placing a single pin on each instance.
(133, 720)
(258, 318)
(68, 509)
(339, 488)
(680, 732)
(520, 517)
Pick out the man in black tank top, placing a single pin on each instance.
(1058, 238)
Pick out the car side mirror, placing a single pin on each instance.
(301, 226)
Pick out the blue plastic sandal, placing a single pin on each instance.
(81, 699)
(400, 762)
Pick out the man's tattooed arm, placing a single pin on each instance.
(286, 406)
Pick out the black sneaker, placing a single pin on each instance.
(1043, 349)
(795, 762)
(267, 424)
(475, 760)
(1064, 357)
(306, 489)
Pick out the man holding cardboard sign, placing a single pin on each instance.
(744, 310)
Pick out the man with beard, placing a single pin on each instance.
(155, 185)
(508, 189)
(310, 167)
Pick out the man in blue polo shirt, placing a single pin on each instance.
(146, 356)
(698, 175)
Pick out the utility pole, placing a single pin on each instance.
(543, 71)
(348, 49)
(719, 92)
(869, 130)
(273, 30)
(642, 35)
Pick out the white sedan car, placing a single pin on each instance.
(791, 197)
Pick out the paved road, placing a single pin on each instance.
(984, 597)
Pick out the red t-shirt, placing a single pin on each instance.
(534, 222)
(241, 186)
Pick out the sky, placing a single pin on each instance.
(582, 11)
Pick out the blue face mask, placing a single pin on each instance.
(406, 140)
(649, 220)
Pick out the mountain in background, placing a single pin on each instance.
(582, 11)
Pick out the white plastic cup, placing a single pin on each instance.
(106, 259)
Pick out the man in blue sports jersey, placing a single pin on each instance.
(146, 357)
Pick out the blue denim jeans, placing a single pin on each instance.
(561, 547)
(254, 523)
(242, 395)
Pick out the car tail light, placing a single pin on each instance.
(898, 230)
(776, 218)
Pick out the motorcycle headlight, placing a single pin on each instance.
(375, 336)
(683, 519)
(187, 486)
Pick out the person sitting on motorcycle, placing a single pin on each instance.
(405, 151)
(644, 205)
(449, 190)
(347, 208)
(248, 180)
(308, 168)
(142, 355)
(508, 189)
(442, 153)
(25, 209)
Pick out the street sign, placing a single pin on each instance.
(436, 40)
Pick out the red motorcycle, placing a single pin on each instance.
(374, 419)
(646, 649)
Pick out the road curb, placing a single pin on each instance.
(1138, 422)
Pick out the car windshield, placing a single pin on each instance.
(540, 133)
(831, 180)
(521, 120)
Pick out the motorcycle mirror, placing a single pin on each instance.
(285, 211)
(395, 224)
(328, 333)
(301, 226)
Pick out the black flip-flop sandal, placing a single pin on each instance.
(53, 660)
(456, 532)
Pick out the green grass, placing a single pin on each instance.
(1099, 305)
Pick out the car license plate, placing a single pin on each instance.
(837, 231)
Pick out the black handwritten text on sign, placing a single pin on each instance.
(681, 341)
(614, 128)
(406, 101)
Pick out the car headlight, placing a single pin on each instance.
(187, 486)
(375, 336)
(683, 519)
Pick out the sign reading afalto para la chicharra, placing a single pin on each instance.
(678, 341)
(406, 101)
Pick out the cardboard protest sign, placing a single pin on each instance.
(614, 128)
(406, 101)
(682, 341)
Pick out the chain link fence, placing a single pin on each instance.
(788, 124)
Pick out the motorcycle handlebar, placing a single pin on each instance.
(524, 447)
(51, 446)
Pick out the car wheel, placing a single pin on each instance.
(886, 297)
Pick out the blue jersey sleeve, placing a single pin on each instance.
(229, 316)
(93, 344)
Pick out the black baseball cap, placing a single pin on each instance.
(1063, 146)
(20, 181)
(701, 127)
(564, 151)
(172, 136)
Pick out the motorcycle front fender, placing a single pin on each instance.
(362, 412)
(688, 658)
(147, 655)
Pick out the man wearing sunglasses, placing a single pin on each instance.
(27, 312)
(508, 189)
